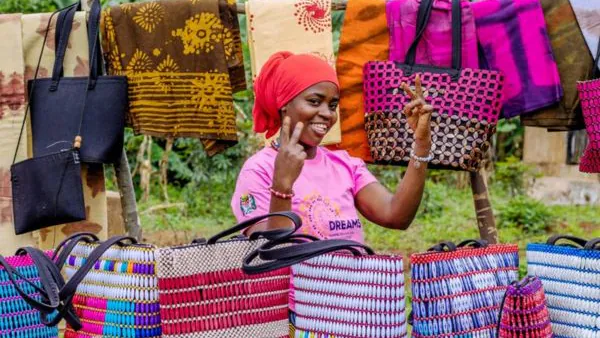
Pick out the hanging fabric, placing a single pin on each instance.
(176, 55)
(574, 63)
(75, 64)
(588, 14)
(514, 40)
(12, 112)
(297, 26)
(435, 49)
(364, 38)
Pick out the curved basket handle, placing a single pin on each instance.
(445, 246)
(474, 243)
(64, 248)
(577, 240)
(277, 233)
(593, 244)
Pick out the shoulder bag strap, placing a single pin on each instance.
(267, 234)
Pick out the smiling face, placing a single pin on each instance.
(316, 108)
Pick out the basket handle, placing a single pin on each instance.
(593, 244)
(577, 240)
(475, 243)
(445, 246)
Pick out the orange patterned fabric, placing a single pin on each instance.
(364, 38)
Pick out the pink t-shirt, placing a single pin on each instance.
(324, 192)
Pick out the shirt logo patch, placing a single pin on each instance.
(247, 204)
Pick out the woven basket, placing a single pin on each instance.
(589, 94)
(571, 278)
(457, 290)
(119, 296)
(18, 319)
(524, 312)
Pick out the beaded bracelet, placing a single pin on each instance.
(281, 195)
(418, 159)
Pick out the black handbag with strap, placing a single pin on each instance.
(56, 109)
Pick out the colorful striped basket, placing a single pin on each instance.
(18, 319)
(524, 312)
(457, 289)
(119, 296)
(340, 295)
(569, 269)
(204, 293)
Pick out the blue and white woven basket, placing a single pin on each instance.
(571, 278)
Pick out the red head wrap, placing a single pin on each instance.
(281, 79)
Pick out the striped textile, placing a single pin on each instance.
(571, 279)
(119, 297)
(17, 318)
(204, 293)
(338, 295)
(458, 293)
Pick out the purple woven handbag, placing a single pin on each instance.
(589, 94)
(467, 104)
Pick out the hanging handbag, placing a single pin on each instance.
(467, 103)
(55, 110)
(203, 291)
(589, 95)
(569, 268)
(47, 190)
(457, 289)
(523, 313)
(336, 294)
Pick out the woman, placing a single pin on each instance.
(299, 94)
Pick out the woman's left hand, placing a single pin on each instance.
(418, 115)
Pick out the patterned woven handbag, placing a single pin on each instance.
(589, 95)
(457, 289)
(19, 281)
(524, 313)
(570, 273)
(116, 289)
(467, 104)
(336, 294)
(204, 292)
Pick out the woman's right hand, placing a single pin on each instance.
(290, 157)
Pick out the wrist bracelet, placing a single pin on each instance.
(281, 195)
(418, 159)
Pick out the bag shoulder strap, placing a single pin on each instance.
(296, 220)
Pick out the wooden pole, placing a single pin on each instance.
(128, 201)
(336, 5)
(483, 209)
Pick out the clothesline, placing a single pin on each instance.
(336, 5)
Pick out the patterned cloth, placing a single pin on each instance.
(435, 47)
(515, 41)
(75, 64)
(307, 27)
(12, 110)
(364, 38)
(588, 15)
(574, 64)
(179, 56)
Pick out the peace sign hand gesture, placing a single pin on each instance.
(418, 115)
(290, 157)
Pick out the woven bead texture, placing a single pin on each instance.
(119, 296)
(571, 279)
(466, 112)
(340, 295)
(17, 318)
(525, 314)
(589, 94)
(204, 293)
(458, 293)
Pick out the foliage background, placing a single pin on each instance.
(200, 187)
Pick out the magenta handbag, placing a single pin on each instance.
(589, 95)
(434, 48)
(467, 103)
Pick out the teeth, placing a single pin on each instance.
(320, 127)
